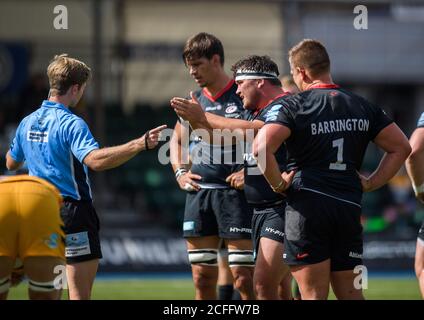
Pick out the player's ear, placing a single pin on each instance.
(74, 89)
(216, 60)
(71, 90)
(260, 83)
(303, 74)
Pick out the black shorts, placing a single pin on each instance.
(268, 222)
(421, 232)
(82, 231)
(222, 212)
(319, 227)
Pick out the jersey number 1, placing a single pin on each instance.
(338, 165)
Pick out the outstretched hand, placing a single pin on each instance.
(152, 137)
(189, 110)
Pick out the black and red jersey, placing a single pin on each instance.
(257, 190)
(330, 131)
(214, 163)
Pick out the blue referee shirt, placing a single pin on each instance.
(54, 143)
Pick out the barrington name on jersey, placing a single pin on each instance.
(340, 125)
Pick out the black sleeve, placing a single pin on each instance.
(282, 114)
(379, 120)
(246, 115)
(261, 117)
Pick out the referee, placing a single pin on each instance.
(59, 147)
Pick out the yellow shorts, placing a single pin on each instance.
(30, 222)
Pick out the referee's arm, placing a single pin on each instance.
(112, 157)
(11, 164)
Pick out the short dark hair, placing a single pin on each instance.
(311, 55)
(258, 64)
(203, 45)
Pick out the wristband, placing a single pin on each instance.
(146, 144)
(179, 172)
(277, 188)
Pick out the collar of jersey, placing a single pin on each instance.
(220, 93)
(284, 93)
(325, 86)
(51, 104)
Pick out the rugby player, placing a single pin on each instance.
(415, 168)
(326, 130)
(288, 84)
(260, 89)
(216, 207)
(31, 231)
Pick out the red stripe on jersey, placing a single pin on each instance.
(325, 86)
(220, 93)
(284, 93)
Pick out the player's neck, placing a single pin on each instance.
(220, 83)
(270, 95)
(60, 99)
(321, 81)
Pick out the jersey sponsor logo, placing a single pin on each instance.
(188, 225)
(276, 107)
(240, 230)
(235, 115)
(38, 136)
(77, 244)
(214, 107)
(231, 109)
(355, 255)
(272, 114)
(274, 231)
(53, 241)
(340, 125)
(301, 256)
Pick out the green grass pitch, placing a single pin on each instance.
(182, 289)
